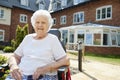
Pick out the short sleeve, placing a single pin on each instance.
(57, 49)
(19, 50)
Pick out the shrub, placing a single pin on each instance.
(21, 32)
(8, 49)
(3, 72)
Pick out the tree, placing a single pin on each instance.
(21, 32)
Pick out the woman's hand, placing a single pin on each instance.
(40, 71)
(15, 72)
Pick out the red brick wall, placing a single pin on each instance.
(103, 50)
(6, 28)
(90, 13)
(15, 20)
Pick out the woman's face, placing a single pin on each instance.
(41, 25)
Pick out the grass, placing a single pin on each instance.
(115, 61)
(111, 59)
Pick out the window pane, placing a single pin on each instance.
(105, 39)
(97, 39)
(113, 39)
(81, 17)
(109, 12)
(1, 35)
(71, 37)
(98, 14)
(1, 13)
(88, 39)
(64, 36)
(103, 13)
(118, 39)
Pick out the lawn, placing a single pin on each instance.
(115, 61)
(111, 59)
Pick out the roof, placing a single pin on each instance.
(90, 25)
(16, 3)
(70, 3)
(5, 3)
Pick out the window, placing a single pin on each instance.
(97, 39)
(71, 37)
(88, 39)
(106, 37)
(54, 6)
(64, 36)
(63, 20)
(113, 37)
(23, 18)
(1, 35)
(41, 6)
(78, 17)
(80, 36)
(54, 21)
(24, 2)
(1, 14)
(118, 39)
(64, 3)
(104, 13)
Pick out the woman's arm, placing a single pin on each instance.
(13, 61)
(64, 61)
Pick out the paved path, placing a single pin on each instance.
(92, 70)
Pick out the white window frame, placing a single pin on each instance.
(80, 15)
(2, 35)
(54, 21)
(24, 2)
(63, 19)
(63, 2)
(2, 12)
(100, 14)
(22, 18)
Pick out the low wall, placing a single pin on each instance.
(103, 50)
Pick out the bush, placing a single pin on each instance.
(3, 59)
(8, 49)
(3, 72)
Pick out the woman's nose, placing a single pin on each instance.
(40, 24)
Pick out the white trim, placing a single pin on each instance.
(23, 18)
(76, 15)
(63, 19)
(100, 9)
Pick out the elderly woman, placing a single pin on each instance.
(40, 54)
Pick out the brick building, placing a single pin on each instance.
(94, 22)
(17, 12)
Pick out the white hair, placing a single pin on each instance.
(39, 13)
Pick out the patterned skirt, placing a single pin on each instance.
(45, 77)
